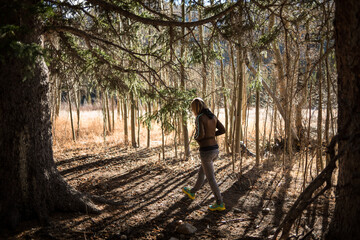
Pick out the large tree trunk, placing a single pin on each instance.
(346, 220)
(30, 185)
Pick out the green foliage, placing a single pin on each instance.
(256, 83)
(215, 9)
(174, 102)
(196, 54)
(28, 53)
(265, 39)
(12, 49)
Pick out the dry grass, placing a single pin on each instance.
(91, 129)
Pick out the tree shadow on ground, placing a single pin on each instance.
(152, 202)
(95, 162)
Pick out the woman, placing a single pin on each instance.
(205, 131)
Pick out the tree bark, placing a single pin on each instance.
(257, 124)
(125, 117)
(225, 106)
(30, 184)
(71, 116)
(132, 120)
(238, 126)
(182, 76)
(346, 221)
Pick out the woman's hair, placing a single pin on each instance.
(197, 105)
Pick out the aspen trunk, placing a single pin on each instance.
(77, 104)
(319, 161)
(125, 119)
(328, 103)
(132, 120)
(148, 126)
(175, 135)
(238, 127)
(233, 99)
(113, 111)
(118, 105)
(308, 139)
(257, 125)
(213, 100)
(57, 96)
(107, 110)
(183, 87)
(203, 60)
(71, 117)
(103, 104)
(225, 107)
(138, 122)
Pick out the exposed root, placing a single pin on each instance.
(71, 199)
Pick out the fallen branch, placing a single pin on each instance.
(236, 219)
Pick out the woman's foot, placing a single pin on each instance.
(217, 207)
(188, 192)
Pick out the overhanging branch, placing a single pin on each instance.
(155, 22)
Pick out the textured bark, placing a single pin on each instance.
(30, 185)
(203, 60)
(132, 120)
(71, 116)
(225, 107)
(257, 125)
(238, 121)
(125, 117)
(346, 220)
(183, 87)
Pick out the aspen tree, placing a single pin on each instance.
(225, 105)
(71, 116)
(182, 84)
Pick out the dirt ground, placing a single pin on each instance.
(147, 202)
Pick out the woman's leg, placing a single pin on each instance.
(207, 159)
(200, 180)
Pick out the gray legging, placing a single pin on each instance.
(207, 169)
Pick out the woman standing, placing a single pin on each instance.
(205, 131)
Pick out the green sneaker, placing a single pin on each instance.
(217, 207)
(186, 190)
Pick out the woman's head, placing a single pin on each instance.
(197, 105)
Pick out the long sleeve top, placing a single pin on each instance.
(206, 129)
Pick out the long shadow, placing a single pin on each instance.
(325, 215)
(267, 194)
(280, 199)
(180, 209)
(133, 209)
(133, 157)
(115, 182)
(209, 221)
(171, 182)
(73, 159)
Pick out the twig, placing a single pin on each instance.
(307, 234)
(235, 219)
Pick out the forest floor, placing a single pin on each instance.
(149, 203)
